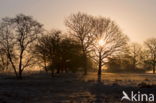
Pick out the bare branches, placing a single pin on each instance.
(89, 30)
(108, 40)
(80, 27)
(151, 47)
(17, 36)
(109, 32)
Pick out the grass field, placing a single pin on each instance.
(72, 88)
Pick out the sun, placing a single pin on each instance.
(101, 42)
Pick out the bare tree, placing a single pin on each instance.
(80, 26)
(109, 40)
(4, 62)
(17, 37)
(151, 47)
(135, 51)
(42, 51)
(47, 50)
(41, 55)
(7, 41)
(59, 53)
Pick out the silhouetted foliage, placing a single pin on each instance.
(59, 53)
(80, 27)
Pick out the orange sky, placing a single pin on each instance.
(137, 18)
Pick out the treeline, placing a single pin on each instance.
(90, 43)
(135, 58)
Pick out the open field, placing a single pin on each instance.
(72, 88)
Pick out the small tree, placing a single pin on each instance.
(151, 47)
(62, 54)
(41, 52)
(48, 50)
(17, 37)
(135, 52)
(80, 26)
(4, 62)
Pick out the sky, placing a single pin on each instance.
(136, 18)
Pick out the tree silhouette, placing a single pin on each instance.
(59, 53)
(17, 37)
(151, 47)
(4, 62)
(80, 26)
(108, 40)
(135, 52)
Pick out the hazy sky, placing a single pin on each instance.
(137, 18)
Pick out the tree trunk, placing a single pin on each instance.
(100, 67)
(85, 67)
(66, 70)
(20, 66)
(20, 74)
(154, 68)
(58, 69)
(7, 64)
(45, 65)
(85, 63)
(100, 64)
(134, 63)
(154, 63)
(52, 72)
(13, 66)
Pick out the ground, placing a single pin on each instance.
(73, 88)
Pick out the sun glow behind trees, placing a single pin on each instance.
(90, 39)
(101, 42)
